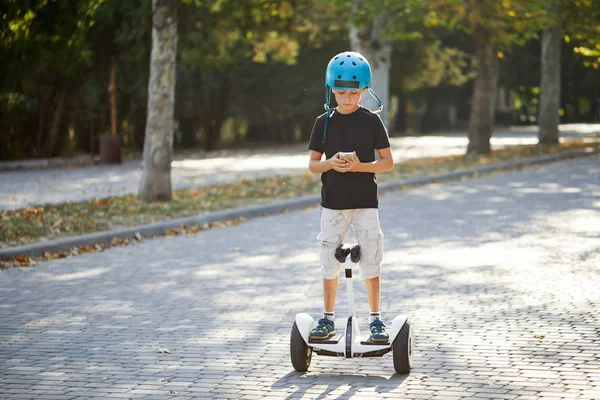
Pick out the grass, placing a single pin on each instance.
(43, 223)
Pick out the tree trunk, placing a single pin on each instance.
(113, 96)
(39, 142)
(481, 120)
(188, 134)
(155, 183)
(595, 109)
(400, 117)
(218, 107)
(371, 42)
(56, 119)
(430, 120)
(549, 118)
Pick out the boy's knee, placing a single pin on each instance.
(371, 247)
(370, 271)
(329, 264)
(331, 271)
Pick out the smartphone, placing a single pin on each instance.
(346, 155)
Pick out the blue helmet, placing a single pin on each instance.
(348, 70)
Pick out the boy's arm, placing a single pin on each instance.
(318, 166)
(385, 163)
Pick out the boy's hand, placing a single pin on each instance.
(353, 163)
(339, 165)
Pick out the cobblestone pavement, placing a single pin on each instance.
(499, 276)
(32, 187)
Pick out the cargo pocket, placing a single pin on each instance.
(373, 255)
(335, 221)
(329, 241)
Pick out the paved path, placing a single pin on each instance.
(499, 276)
(23, 188)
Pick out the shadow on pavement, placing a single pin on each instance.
(343, 386)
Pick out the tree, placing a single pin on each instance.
(481, 120)
(155, 183)
(436, 76)
(578, 20)
(371, 40)
(44, 52)
(549, 117)
(227, 42)
(495, 26)
(373, 26)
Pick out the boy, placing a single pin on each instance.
(349, 187)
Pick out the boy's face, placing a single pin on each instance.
(347, 100)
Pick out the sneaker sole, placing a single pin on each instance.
(380, 340)
(322, 337)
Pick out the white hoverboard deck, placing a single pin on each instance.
(349, 343)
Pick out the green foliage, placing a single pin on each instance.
(47, 37)
(257, 62)
(232, 52)
(581, 27)
(431, 64)
(506, 21)
(44, 50)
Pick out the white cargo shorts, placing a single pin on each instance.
(335, 225)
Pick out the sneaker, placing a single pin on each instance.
(378, 333)
(324, 330)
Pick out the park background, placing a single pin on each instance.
(251, 72)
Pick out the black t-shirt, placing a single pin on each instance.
(363, 132)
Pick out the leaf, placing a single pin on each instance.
(100, 202)
(23, 260)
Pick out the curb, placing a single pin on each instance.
(472, 172)
(45, 163)
(159, 228)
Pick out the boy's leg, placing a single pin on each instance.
(326, 326)
(373, 293)
(330, 287)
(369, 237)
(334, 230)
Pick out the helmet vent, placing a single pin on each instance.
(353, 63)
(339, 77)
(336, 58)
(360, 59)
(354, 77)
(342, 63)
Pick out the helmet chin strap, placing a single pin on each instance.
(379, 105)
(329, 111)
